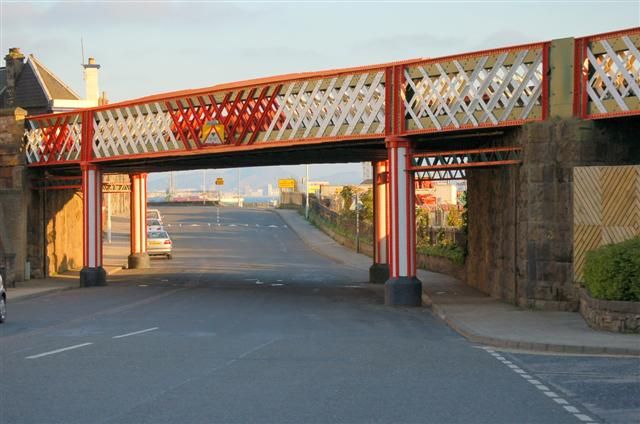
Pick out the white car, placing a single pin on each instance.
(159, 243)
(154, 225)
(3, 302)
(154, 214)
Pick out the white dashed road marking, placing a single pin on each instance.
(53, 352)
(544, 389)
(135, 332)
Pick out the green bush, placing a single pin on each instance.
(449, 251)
(612, 272)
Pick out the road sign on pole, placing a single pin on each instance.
(219, 181)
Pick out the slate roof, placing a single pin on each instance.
(36, 87)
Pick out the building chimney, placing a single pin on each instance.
(91, 89)
(15, 63)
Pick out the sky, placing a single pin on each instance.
(149, 47)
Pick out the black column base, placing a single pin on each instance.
(378, 273)
(93, 277)
(139, 261)
(403, 291)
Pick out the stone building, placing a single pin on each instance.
(39, 248)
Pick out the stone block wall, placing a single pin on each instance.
(539, 192)
(491, 258)
(63, 217)
(13, 198)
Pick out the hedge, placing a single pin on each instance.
(612, 272)
(453, 252)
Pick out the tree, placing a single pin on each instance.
(422, 225)
(454, 217)
(367, 206)
(347, 198)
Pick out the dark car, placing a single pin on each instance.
(3, 301)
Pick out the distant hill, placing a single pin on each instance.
(258, 177)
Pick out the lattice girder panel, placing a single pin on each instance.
(611, 74)
(131, 130)
(343, 105)
(440, 175)
(494, 88)
(465, 159)
(53, 139)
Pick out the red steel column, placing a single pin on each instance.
(402, 287)
(92, 273)
(138, 257)
(379, 271)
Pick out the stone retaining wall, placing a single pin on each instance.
(442, 265)
(610, 315)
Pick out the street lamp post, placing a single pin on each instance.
(306, 188)
(357, 223)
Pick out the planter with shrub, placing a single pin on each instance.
(611, 297)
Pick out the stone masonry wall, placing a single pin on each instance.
(539, 192)
(63, 230)
(491, 258)
(13, 200)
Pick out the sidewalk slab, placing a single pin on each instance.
(481, 318)
(42, 286)
(115, 257)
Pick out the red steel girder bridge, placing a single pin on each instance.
(384, 113)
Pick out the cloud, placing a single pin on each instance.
(74, 15)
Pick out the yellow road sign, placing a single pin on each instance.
(219, 181)
(287, 183)
(212, 132)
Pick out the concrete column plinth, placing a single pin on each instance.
(403, 291)
(139, 261)
(378, 273)
(93, 277)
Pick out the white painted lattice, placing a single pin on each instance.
(477, 91)
(612, 68)
(133, 130)
(53, 143)
(329, 107)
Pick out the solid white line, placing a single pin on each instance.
(52, 352)
(135, 332)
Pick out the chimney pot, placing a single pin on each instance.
(14, 64)
(92, 91)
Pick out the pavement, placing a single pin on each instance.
(480, 318)
(115, 258)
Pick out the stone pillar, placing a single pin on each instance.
(379, 271)
(92, 274)
(402, 288)
(138, 222)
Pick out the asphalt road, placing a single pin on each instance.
(246, 324)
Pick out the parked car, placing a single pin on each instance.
(154, 214)
(159, 244)
(154, 225)
(3, 301)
